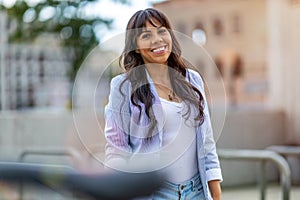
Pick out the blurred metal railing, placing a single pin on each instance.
(289, 151)
(285, 150)
(49, 152)
(262, 156)
(46, 152)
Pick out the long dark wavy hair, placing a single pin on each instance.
(130, 59)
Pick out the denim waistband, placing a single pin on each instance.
(190, 184)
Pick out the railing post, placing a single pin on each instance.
(262, 156)
(285, 174)
(262, 180)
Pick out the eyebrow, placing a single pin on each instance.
(145, 30)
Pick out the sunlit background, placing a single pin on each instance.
(254, 44)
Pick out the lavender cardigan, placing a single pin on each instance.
(125, 134)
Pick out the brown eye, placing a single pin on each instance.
(162, 31)
(146, 36)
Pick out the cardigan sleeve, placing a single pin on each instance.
(117, 149)
(212, 164)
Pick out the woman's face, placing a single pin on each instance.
(154, 43)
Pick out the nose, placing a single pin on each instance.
(157, 39)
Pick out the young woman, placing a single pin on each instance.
(157, 103)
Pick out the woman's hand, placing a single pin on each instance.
(215, 189)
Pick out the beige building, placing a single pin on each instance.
(33, 76)
(255, 45)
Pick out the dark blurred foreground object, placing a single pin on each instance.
(111, 186)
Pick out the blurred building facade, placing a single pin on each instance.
(254, 45)
(33, 76)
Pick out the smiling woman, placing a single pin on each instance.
(158, 114)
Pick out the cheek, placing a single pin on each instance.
(169, 40)
(142, 45)
(143, 52)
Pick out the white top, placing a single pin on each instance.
(179, 131)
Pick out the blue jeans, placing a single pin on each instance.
(189, 190)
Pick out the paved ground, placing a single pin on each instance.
(253, 193)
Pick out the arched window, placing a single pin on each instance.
(236, 24)
(199, 25)
(237, 68)
(295, 2)
(198, 34)
(218, 27)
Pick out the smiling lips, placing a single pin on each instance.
(160, 50)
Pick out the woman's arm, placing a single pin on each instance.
(212, 165)
(215, 189)
(116, 130)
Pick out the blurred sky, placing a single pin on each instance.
(107, 9)
(119, 12)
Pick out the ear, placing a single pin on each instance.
(137, 51)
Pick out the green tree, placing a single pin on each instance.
(76, 30)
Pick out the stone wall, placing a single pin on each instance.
(248, 129)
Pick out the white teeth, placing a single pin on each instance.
(159, 49)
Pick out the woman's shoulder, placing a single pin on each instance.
(119, 83)
(120, 79)
(194, 76)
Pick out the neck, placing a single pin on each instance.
(158, 73)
